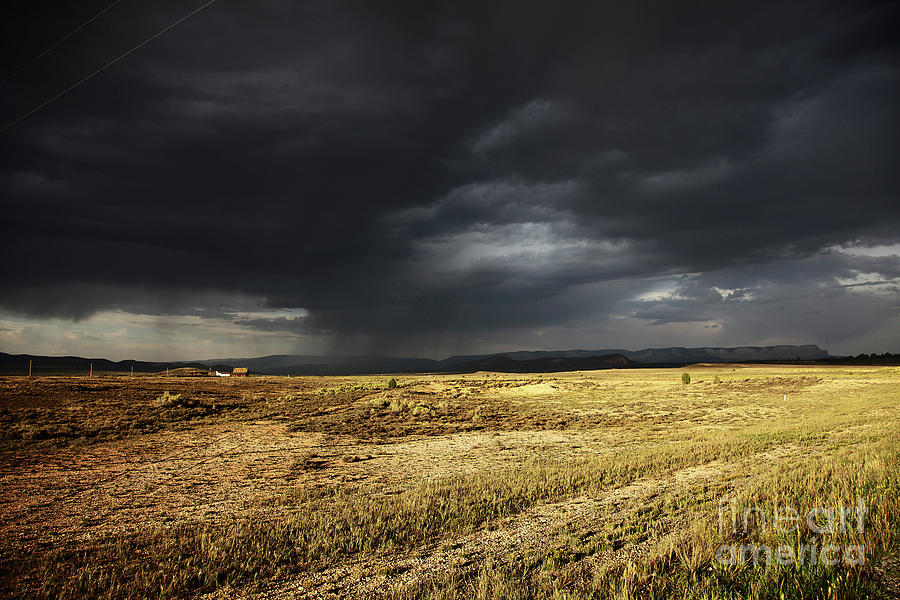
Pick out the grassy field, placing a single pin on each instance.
(602, 484)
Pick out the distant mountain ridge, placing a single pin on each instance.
(547, 364)
(673, 354)
(518, 361)
(18, 364)
(298, 364)
(736, 354)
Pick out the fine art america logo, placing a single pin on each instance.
(820, 521)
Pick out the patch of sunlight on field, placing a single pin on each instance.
(606, 484)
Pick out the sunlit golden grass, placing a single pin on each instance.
(759, 437)
(684, 565)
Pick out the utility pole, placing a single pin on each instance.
(132, 370)
(29, 367)
(91, 372)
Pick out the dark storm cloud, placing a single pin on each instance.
(289, 324)
(429, 168)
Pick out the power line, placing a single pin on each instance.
(51, 48)
(106, 66)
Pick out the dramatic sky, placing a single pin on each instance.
(428, 178)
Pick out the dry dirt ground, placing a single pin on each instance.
(84, 458)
